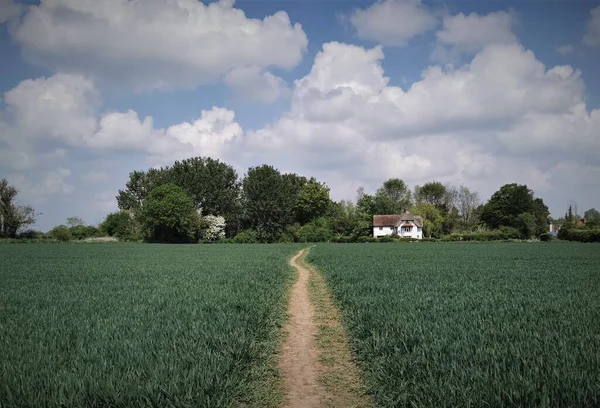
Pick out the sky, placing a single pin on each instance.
(478, 93)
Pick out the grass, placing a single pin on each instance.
(338, 372)
(141, 325)
(471, 325)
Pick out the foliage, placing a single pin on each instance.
(73, 222)
(313, 201)
(248, 236)
(393, 197)
(579, 234)
(448, 327)
(121, 225)
(432, 193)
(433, 220)
(61, 233)
(80, 232)
(13, 216)
(592, 217)
(168, 215)
(509, 202)
(126, 325)
(215, 227)
(501, 234)
(212, 185)
(318, 230)
(467, 202)
(269, 201)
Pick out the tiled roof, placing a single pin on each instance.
(386, 220)
(396, 220)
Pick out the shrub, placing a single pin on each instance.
(318, 230)
(60, 233)
(248, 236)
(122, 225)
(168, 215)
(579, 234)
(545, 237)
(81, 232)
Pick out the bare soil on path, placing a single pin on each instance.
(299, 360)
(315, 361)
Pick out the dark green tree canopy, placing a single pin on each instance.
(506, 206)
(313, 201)
(212, 185)
(265, 201)
(431, 193)
(168, 215)
(393, 197)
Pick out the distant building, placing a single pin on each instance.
(553, 229)
(405, 226)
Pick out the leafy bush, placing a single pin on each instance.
(504, 233)
(545, 237)
(30, 234)
(122, 225)
(248, 236)
(84, 231)
(168, 215)
(579, 234)
(61, 233)
(318, 230)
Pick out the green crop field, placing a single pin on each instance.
(138, 325)
(466, 324)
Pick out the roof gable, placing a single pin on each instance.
(386, 220)
(394, 220)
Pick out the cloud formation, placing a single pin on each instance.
(497, 119)
(65, 108)
(156, 45)
(252, 83)
(592, 36)
(393, 22)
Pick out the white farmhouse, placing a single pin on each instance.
(405, 225)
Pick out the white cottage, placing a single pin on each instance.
(405, 225)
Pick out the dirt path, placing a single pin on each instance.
(315, 361)
(299, 362)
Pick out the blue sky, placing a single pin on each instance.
(479, 93)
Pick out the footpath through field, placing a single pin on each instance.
(315, 359)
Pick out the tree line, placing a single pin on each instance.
(204, 199)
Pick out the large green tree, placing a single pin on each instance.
(168, 215)
(267, 202)
(212, 185)
(313, 201)
(393, 197)
(13, 216)
(506, 206)
(431, 193)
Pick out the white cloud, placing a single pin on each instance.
(52, 182)
(592, 36)
(256, 84)
(468, 34)
(64, 108)
(504, 117)
(61, 106)
(393, 22)
(565, 50)
(8, 10)
(158, 44)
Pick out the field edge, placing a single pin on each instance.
(340, 375)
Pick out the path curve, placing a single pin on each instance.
(299, 360)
